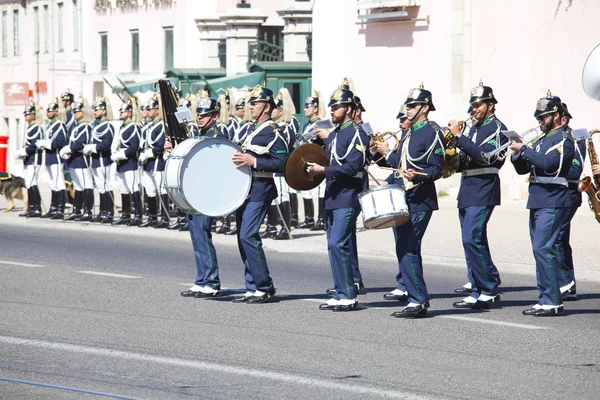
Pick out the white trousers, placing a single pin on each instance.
(101, 179)
(128, 182)
(283, 190)
(151, 181)
(82, 179)
(56, 177)
(31, 175)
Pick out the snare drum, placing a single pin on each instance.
(384, 207)
(201, 178)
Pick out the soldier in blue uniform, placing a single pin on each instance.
(420, 159)
(32, 159)
(144, 124)
(100, 150)
(79, 164)
(548, 163)
(568, 288)
(126, 157)
(264, 150)
(207, 283)
(346, 149)
(478, 195)
(55, 139)
(67, 99)
(154, 166)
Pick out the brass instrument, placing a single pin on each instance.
(382, 138)
(587, 183)
(500, 153)
(451, 158)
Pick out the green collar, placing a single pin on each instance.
(314, 119)
(553, 132)
(420, 125)
(488, 120)
(31, 124)
(346, 124)
(80, 122)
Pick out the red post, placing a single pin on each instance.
(3, 152)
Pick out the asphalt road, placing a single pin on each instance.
(101, 313)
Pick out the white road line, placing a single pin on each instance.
(490, 322)
(20, 264)
(111, 275)
(329, 384)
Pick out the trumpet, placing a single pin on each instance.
(382, 138)
(504, 151)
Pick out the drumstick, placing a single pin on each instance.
(396, 169)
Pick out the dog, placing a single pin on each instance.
(11, 187)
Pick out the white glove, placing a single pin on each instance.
(44, 144)
(118, 155)
(65, 152)
(146, 154)
(22, 153)
(89, 148)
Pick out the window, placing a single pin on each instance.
(223, 53)
(46, 29)
(61, 27)
(294, 89)
(169, 47)
(16, 32)
(36, 23)
(135, 51)
(4, 34)
(103, 52)
(76, 25)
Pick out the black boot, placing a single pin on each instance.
(151, 221)
(53, 204)
(125, 210)
(183, 224)
(226, 225)
(164, 209)
(102, 209)
(174, 225)
(60, 206)
(320, 225)
(88, 205)
(77, 205)
(294, 206)
(110, 208)
(36, 203)
(29, 204)
(271, 230)
(286, 210)
(137, 209)
(309, 214)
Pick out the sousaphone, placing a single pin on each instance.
(297, 174)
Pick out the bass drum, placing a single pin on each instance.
(201, 179)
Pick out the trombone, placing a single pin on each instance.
(504, 151)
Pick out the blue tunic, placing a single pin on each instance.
(57, 133)
(102, 137)
(33, 133)
(130, 142)
(80, 136)
(155, 140)
(71, 124)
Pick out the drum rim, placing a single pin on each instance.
(392, 186)
(400, 213)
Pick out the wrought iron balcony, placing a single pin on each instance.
(264, 51)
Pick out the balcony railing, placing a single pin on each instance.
(264, 51)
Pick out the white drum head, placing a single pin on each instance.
(210, 182)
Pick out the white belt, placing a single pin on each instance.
(480, 171)
(262, 174)
(549, 180)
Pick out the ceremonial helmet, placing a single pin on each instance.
(53, 106)
(67, 95)
(153, 103)
(401, 112)
(547, 105)
(359, 104)
(261, 93)
(206, 104)
(127, 106)
(78, 106)
(566, 111)
(241, 103)
(100, 104)
(420, 95)
(481, 93)
(30, 108)
(313, 100)
(342, 95)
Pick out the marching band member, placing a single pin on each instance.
(233, 122)
(79, 164)
(32, 159)
(55, 139)
(225, 125)
(264, 150)
(420, 158)
(568, 288)
(207, 283)
(67, 101)
(154, 166)
(357, 117)
(314, 110)
(548, 162)
(100, 150)
(144, 124)
(126, 157)
(242, 108)
(346, 149)
(479, 193)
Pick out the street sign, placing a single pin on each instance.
(16, 93)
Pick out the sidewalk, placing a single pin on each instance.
(508, 235)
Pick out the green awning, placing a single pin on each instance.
(142, 86)
(249, 80)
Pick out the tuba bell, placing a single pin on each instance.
(451, 157)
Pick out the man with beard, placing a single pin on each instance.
(548, 161)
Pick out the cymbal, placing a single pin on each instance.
(295, 166)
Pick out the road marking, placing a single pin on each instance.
(20, 264)
(111, 275)
(329, 384)
(490, 322)
(45, 385)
